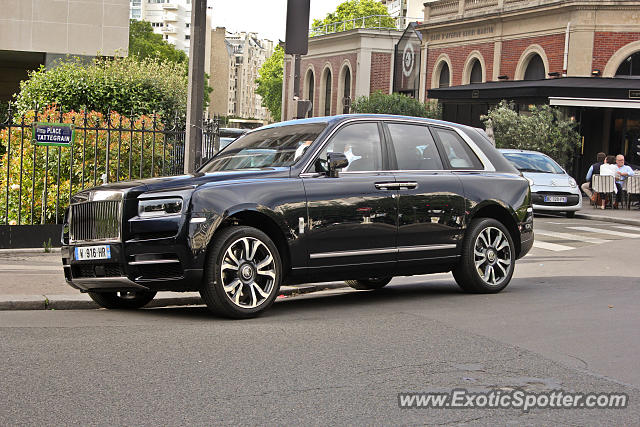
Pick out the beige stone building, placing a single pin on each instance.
(35, 33)
(235, 60)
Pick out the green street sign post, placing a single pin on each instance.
(56, 134)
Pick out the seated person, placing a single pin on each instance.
(609, 168)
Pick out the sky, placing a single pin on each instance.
(265, 17)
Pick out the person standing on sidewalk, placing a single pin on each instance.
(593, 170)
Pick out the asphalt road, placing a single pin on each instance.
(569, 320)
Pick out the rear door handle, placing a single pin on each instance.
(386, 185)
(407, 185)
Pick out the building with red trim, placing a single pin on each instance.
(473, 53)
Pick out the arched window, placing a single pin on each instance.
(444, 76)
(535, 69)
(630, 66)
(310, 85)
(476, 72)
(347, 91)
(327, 94)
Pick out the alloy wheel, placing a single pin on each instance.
(492, 256)
(248, 272)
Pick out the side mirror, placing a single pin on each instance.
(336, 161)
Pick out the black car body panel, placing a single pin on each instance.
(360, 224)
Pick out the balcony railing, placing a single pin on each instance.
(169, 29)
(169, 6)
(377, 22)
(444, 8)
(170, 17)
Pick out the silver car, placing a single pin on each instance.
(552, 189)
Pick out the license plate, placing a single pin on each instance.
(555, 199)
(86, 253)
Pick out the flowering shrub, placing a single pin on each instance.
(36, 182)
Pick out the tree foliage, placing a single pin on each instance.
(351, 10)
(396, 104)
(145, 44)
(543, 129)
(128, 86)
(270, 83)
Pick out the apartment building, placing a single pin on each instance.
(170, 18)
(235, 60)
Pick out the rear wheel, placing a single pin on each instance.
(123, 300)
(488, 257)
(369, 284)
(243, 273)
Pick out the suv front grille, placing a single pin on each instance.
(99, 220)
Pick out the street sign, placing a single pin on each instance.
(57, 134)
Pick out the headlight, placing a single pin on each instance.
(573, 183)
(159, 207)
(531, 183)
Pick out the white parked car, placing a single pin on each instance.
(552, 189)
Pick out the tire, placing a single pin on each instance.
(488, 244)
(369, 284)
(243, 273)
(122, 300)
(571, 214)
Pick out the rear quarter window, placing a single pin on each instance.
(456, 151)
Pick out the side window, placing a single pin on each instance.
(414, 147)
(360, 142)
(458, 153)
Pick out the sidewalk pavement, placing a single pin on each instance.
(33, 280)
(620, 216)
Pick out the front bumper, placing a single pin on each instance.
(573, 203)
(133, 266)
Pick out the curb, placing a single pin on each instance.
(608, 219)
(37, 251)
(83, 301)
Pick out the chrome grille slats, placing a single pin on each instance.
(94, 221)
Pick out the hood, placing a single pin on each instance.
(179, 182)
(548, 179)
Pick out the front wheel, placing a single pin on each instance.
(570, 214)
(122, 300)
(488, 258)
(243, 273)
(369, 284)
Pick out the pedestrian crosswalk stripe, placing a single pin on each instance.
(628, 227)
(568, 236)
(603, 231)
(551, 246)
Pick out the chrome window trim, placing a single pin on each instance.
(401, 249)
(488, 166)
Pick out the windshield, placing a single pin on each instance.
(533, 162)
(273, 147)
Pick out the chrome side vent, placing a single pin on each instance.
(99, 220)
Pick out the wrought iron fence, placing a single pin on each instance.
(37, 182)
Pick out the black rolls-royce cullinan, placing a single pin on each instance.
(360, 198)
